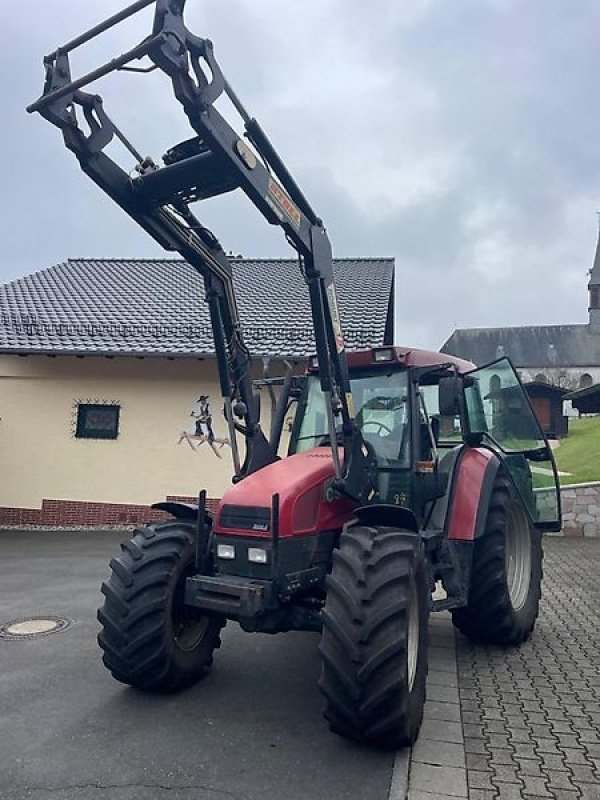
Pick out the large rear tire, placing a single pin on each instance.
(506, 574)
(150, 639)
(374, 640)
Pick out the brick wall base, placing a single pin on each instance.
(581, 509)
(581, 512)
(82, 514)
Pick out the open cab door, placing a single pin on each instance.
(500, 416)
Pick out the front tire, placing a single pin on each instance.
(374, 640)
(506, 574)
(150, 638)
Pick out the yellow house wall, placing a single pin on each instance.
(42, 459)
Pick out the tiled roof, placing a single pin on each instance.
(534, 346)
(157, 307)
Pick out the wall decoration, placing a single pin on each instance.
(203, 428)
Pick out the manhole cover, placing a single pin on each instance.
(32, 627)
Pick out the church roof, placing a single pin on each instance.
(528, 346)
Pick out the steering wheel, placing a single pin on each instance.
(380, 427)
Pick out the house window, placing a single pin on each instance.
(97, 421)
(585, 380)
(594, 297)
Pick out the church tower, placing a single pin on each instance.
(594, 290)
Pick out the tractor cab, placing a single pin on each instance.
(420, 412)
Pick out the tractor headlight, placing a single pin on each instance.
(257, 555)
(384, 354)
(225, 551)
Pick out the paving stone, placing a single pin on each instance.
(437, 677)
(590, 792)
(492, 702)
(547, 746)
(492, 713)
(474, 731)
(521, 735)
(470, 705)
(553, 762)
(429, 751)
(444, 694)
(566, 740)
(508, 791)
(542, 731)
(414, 794)
(499, 740)
(444, 664)
(480, 761)
(583, 773)
(503, 757)
(478, 779)
(475, 746)
(586, 736)
(561, 726)
(441, 731)
(573, 756)
(559, 780)
(507, 774)
(440, 656)
(438, 780)
(499, 726)
(536, 786)
(514, 722)
(445, 712)
(530, 766)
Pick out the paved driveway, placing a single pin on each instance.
(499, 723)
(531, 717)
(252, 729)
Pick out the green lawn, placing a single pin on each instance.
(579, 453)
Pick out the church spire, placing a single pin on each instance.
(594, 290)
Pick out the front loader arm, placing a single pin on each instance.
(217, 160)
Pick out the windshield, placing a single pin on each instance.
(381, 405)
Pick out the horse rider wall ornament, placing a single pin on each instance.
(203, 429)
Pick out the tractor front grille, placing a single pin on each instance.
(245, 518)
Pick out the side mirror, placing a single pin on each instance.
(449, 396)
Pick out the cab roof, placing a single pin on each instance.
(406, 356)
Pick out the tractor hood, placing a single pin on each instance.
(301, 481)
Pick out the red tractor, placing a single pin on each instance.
(406, 469)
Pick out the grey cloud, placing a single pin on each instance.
(461, 138)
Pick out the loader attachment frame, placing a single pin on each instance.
(217, 160)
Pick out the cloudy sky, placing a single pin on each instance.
(461, 137)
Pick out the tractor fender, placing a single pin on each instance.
(186, 512)
(385, 514)
(472, 485)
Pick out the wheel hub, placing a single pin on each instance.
(412, 645)
(518, 557)
(189, 633)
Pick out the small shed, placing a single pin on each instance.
(547, 402)
(587, 400)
